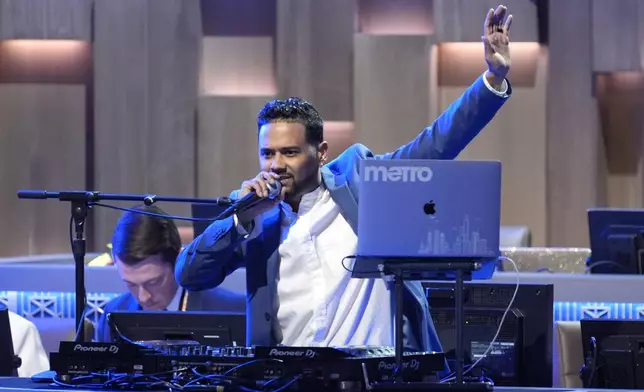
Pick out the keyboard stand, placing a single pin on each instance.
(416, 269)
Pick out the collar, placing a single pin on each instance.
(307, 202)
(173, 306)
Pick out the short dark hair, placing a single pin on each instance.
(139, 236)
(297, 110)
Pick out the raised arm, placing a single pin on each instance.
(455, 128)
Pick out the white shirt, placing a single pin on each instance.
(173, 306)
(317, 303)
(28, 346)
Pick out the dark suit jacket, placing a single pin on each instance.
(220, 250)
(217, 299)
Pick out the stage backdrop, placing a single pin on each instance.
(160, 96)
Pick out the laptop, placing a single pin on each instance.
(204, 211)
(426, 211)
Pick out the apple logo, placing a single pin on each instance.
(430, 208)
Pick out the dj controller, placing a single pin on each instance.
(190, 366)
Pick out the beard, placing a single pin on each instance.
(299, 188)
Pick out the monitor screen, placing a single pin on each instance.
(501, 364)
(216, 329)
(522, 353)
(502, 356)
(7, 355)
(616, 240)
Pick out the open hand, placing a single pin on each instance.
(496, 41)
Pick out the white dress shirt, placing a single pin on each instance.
(28, 346)
(173, 306)
(317, 303)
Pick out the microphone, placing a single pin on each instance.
(251, 200)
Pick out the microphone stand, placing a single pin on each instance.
(81, 202)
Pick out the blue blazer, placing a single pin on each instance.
(220, 250)
(216, 299)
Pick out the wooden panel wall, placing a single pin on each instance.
(227, 149)
(46, 61)
(238, 78)
(619, 91)
(391, 97)
(46, 19)
(146, 83)
(238, 18)
(616, 31)
(176, 84)
(43, 118)
(42, 128)
(233, 66)
(621, 99)
(461, 20)
(401, 17)
(573, 146)
(315, 53)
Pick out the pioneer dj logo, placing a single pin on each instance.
(112, 349)
(390, 366)
(397, 174)
(292, 353)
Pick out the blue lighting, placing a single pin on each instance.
(573, 311)
(62, 305)
(47, 304)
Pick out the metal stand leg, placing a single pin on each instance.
(398, 324)
(459, 319)
(398, 383)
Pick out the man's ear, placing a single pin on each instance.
(323, 149)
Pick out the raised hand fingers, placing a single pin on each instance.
(494, 20)
(488, 26)
(506, 26)
(499, 14)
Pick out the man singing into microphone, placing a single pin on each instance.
(298, 292)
